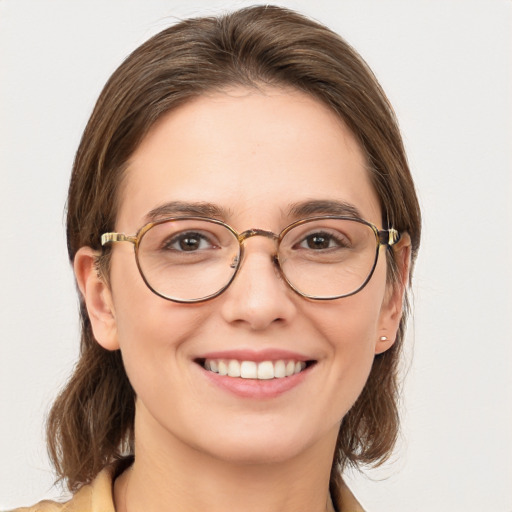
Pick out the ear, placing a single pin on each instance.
(392, 306)
(97, 297)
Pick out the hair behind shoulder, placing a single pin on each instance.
(91, 422)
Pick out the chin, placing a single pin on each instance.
(259, 453)
(262, 445)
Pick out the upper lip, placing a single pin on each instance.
(255, 355)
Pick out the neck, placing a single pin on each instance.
(169, 475)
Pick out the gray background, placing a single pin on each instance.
(446, 68)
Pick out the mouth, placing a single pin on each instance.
(256, 370)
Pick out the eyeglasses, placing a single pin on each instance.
(194, 259)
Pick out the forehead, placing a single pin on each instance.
(251, 152)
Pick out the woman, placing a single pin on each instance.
(247, 350)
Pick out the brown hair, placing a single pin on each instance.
(91, 422)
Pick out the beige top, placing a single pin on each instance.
(98, 497)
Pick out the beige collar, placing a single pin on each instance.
(98, 497)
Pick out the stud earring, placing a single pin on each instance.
(383, 338)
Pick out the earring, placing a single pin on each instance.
(383, 338)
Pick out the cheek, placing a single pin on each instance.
(155, 342)
(352, 323)
(351, 328)
(353, 345)
(150, 327)
(151, 331)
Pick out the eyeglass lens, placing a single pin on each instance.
(189, 260)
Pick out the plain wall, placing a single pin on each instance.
(446, 66)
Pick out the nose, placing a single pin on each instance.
(258, 297)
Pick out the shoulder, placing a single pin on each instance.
(42, 506)
(95, 497)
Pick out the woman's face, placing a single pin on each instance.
(253, 156)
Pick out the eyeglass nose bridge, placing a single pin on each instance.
(242, 237)
(250, 233)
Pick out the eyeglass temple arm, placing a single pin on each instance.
(389, 237)
(106, 238)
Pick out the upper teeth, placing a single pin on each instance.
(263, 370)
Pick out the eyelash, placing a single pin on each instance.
(180, 237)
(341, 242)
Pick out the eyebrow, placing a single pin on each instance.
(299, 210)
(178, 208)
(323, 207)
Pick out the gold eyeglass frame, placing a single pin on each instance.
(385, 237)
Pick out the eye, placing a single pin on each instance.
(322, 240)
(189, 241)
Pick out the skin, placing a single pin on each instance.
(253, 153)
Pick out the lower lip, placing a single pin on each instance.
(256, 388)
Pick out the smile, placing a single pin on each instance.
(262, 370)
